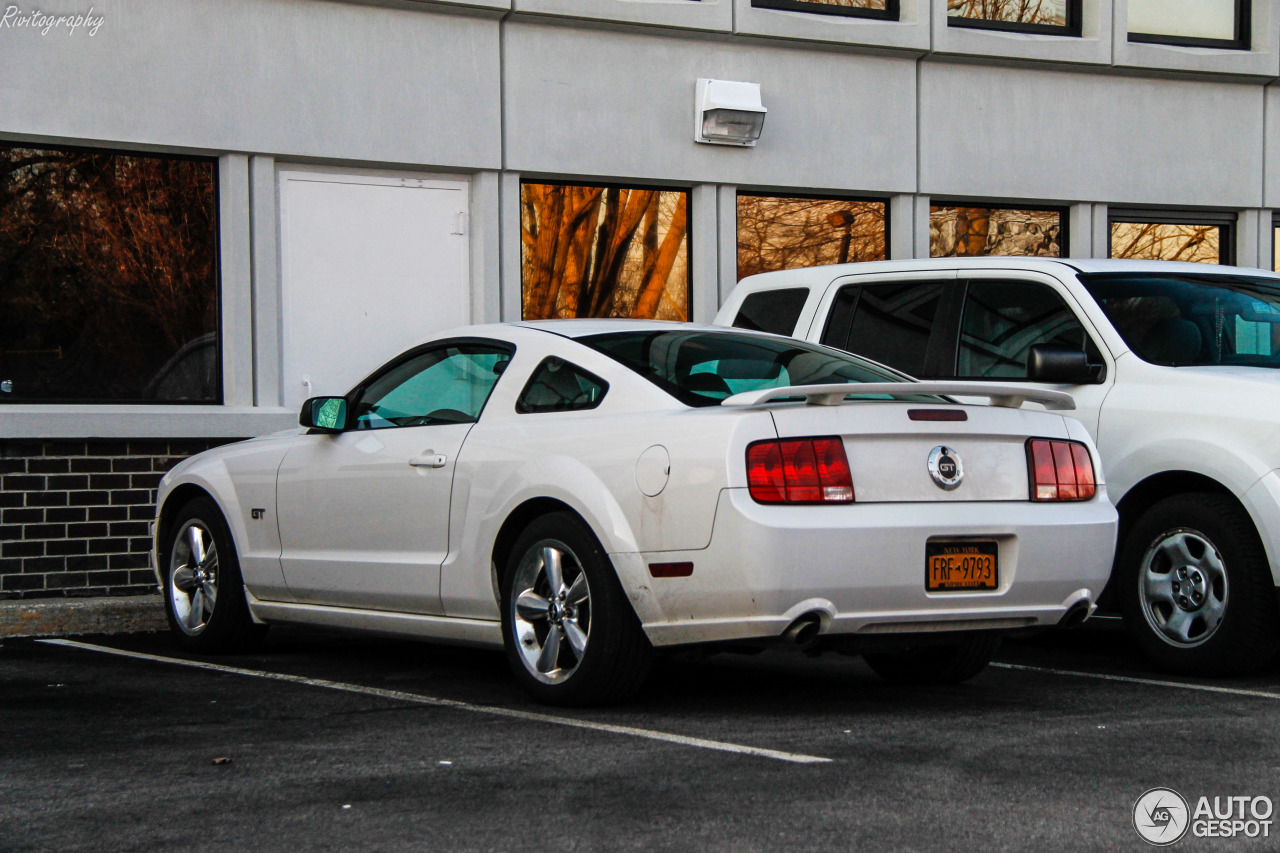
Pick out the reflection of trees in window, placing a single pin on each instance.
(604, 252)
(1154, 241)
(1051, 13)
(852, 4)
(781, 233)
(108, 276)
(976, 231)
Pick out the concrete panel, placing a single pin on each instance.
(620, 106)
(712, 15)
(1262, 60)
(1092, 47)
(1271, 193)
(320, 79)
(909, 32)
(1032, 134)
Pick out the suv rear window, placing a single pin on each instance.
(774, 311)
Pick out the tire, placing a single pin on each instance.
(1195, 587)
(945, 664)
(580, 642)
(189, 584)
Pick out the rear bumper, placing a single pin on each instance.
(861, 569)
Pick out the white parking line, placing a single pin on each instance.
(400, 696)
(1206, 688)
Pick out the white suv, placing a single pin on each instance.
(1173, 370)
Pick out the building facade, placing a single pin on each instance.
(214, 209)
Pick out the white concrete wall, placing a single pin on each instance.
(493, 91)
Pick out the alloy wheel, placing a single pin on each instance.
(193, 577)
(551, 611)
(1183, 587)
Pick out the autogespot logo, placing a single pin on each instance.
(1160, 816)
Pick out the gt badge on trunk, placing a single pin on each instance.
(945, 467)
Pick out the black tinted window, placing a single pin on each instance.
(1003, 320)
(558, 386)
(1191, 319)
(773, 311)
(892, 323)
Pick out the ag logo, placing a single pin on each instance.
(945, 468)
(1161, 817)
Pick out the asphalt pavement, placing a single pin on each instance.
(325, 742)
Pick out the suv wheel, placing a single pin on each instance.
(1196, 589)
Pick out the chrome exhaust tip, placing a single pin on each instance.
(804, 630)
(1075, 615)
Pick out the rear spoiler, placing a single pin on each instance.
(1008, 396)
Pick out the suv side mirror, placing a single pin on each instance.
(324, 414)
(1061, 365)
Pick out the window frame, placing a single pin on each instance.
(1243, 39)
(220, 394)
(1064, 222)
(638, 185)
(1227, 221)
(357, 391)
(1073, 28)
(891, 11)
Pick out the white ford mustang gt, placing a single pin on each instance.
(582, 492)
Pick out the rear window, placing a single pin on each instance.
(702, 368)
(774, 311)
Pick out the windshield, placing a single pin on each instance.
(1183, 320)
(702, 368)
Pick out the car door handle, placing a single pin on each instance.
(429, 460)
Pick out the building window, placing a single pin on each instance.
(1050, 17)
(108, 277)
(790, 232)
(884, 10)
(604, 251)
(1205, 238)
(964, 231)
(1275, 243)
(1191, 23)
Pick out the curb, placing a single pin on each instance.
(61, 617)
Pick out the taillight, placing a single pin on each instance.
(799, 471)
(1060, 470)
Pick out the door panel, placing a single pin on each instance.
(360, 526)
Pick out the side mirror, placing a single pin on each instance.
(324, 414)
(1061, 365)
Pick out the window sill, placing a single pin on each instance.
(21, 421)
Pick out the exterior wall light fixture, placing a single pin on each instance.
(728, 113)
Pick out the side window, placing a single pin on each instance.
(447, 385)
(773, 311)
(1003, 319)
(888, 323)
(558, 386)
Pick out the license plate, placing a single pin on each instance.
(959, 566)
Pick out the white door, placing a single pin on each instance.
(364, 514)
(371, 264)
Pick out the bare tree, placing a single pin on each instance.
(1166, 242)
(778, 232)
(603, 252)
(1051, 12)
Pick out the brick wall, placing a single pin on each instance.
(74, 514)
